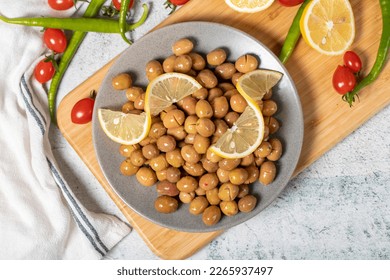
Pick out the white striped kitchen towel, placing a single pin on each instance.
(40, 218)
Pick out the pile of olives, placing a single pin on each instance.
(175, 156)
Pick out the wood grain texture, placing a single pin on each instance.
(327, 118)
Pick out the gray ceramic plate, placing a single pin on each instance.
(206, 37)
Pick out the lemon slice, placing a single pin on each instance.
(249, 6)
(244, 136)
(124, 128)
(167, 89)
(328, 26)
(257, 83)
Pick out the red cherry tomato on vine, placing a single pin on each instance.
(55, 40)
(44, 71)
(178, 2)
(352, 61)
(117, 4)
(343, 80)
(290, 3)
(82, 111)
(61, 5)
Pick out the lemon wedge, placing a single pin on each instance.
(244, 136)
(167, 89)
(124, 128)
(257, 83)
(249, 6)
(328, 26)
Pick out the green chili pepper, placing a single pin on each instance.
(77, 37)
(293, 35)
(381, 57)
(122, 19)
(79, 24)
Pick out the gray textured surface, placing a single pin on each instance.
(338, 208)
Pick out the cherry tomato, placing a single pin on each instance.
(61, 5)
(343, 80)
(117, 4)
(82, 111)
(44, 71)
(290, 3)
(55, 40)
(352, 61)
(178, 2)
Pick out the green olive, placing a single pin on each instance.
(216, 57)
(174, 158)
(166, 204)
(133, 92)
(150, 151)
(153, 69)
(122, 81)
(214, 93)
(208, 181)
(238, 176)
(169, 64)
(128, 107)
(269, 108)
(220, 107)
(231, 118)
(188, 104)
(190, 124)
(127, 168)
(157, 130)
(225, 70)
(207, 78)
(205, 127)
(182, 46)
(158, 163)
(211, 215)
(137, 158)
(198, 62)
(203, 109)
(212, 196)
(186, 197)
(177, 132)
(166, 143)
(208, 165)
(276, 151)
(194, 169)
(198, 205)
(201, 144)
(187, 184)
(253, 174)
(246, 63)
(229, 208)
(183, 64)
(229, 164)
(174, 118)
(228, 191)
(238, 103)
(189, 154)
(126, 150)
(146, 176)
(247, 203)
(267, 172)
(173, 174)
(167, 188)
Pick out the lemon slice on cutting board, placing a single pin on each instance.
(328, 26)
(167, 89)
(124, 128)
(257, 83)
(249, 6)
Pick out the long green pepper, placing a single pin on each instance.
(381, 58)
(293, 35)
(74, 43)
(99, 25)
(122, 19)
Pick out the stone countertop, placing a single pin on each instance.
(338, 208)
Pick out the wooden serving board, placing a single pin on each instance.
(327, 118)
